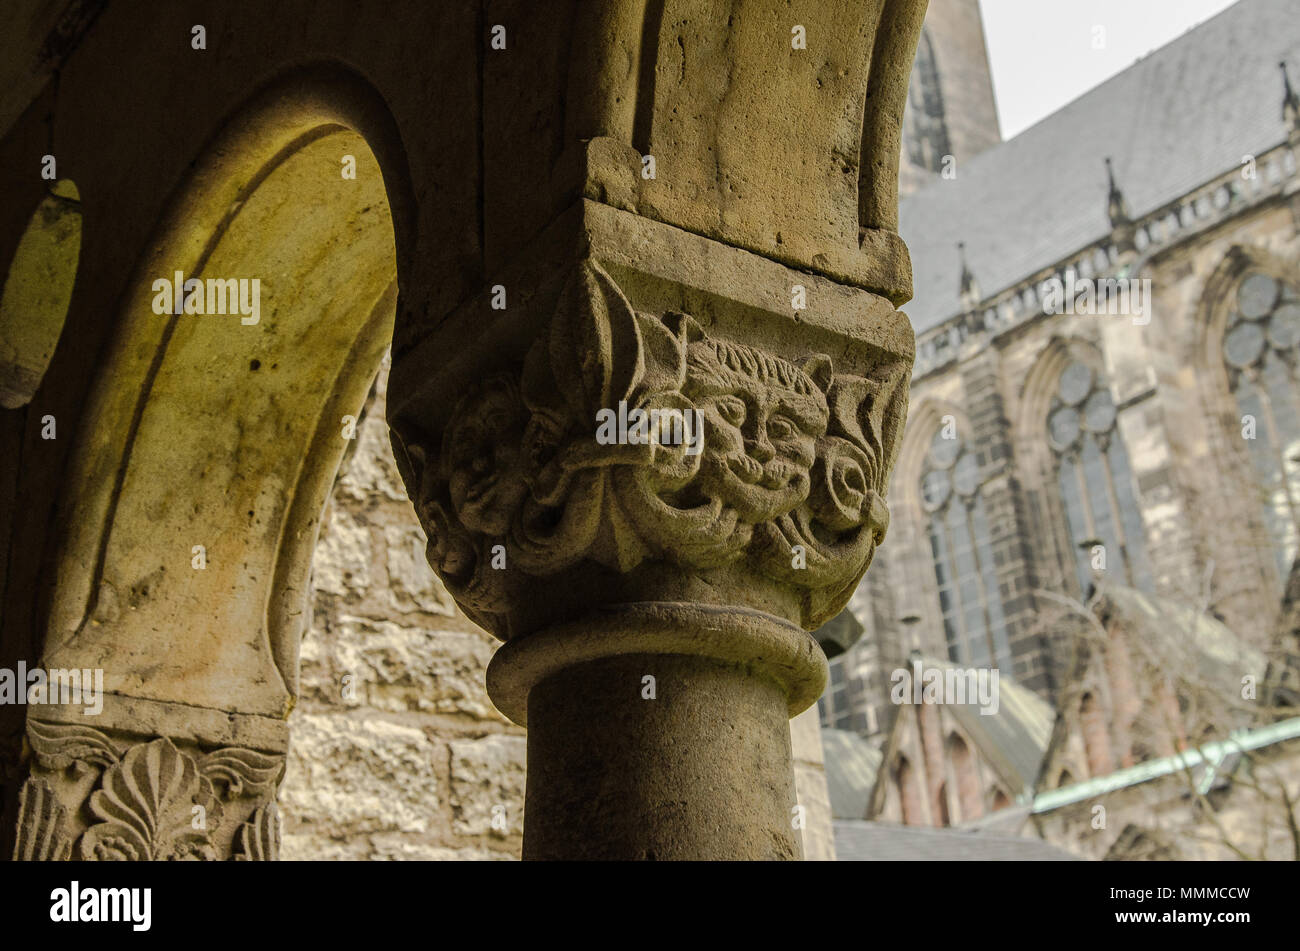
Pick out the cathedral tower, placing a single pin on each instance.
(950, 107)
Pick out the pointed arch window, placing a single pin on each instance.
(909, 793)
(963, 767)
(964, 569)
(926, 134)
(1261, 347)
(1095, 478)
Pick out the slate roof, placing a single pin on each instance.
(851, 767)
(858, 841)
(1177, 118)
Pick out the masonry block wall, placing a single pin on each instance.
(395, 751)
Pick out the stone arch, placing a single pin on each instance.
(966, 777)
(943, 488)
(910, 545)
(252, 326)
(1216, 301)
(242, 213)
(1036, 395)
(882, 132)
(1250, 527)
(506, 167)
(923, 422)
(910, 801)
(1035, 456)
(36, 292)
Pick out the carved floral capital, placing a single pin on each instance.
(153, 801)
(770, 492)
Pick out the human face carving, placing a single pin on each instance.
(481, 459)
(759, 443)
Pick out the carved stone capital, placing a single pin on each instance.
(637, 454)
(653, 448)
(96, 796)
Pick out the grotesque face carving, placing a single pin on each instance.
(480, 456)
(762, 418)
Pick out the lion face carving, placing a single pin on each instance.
(762, 416)
(785, 486)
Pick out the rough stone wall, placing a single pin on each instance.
(396, 752)
(810, 786)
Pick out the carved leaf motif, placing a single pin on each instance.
(145, 807)
(886, 413)
(59, 745)
(258, 839)
(244, 772)
(41, 836)
(595, 346)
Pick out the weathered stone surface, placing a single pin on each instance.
(409, 655)
(380, 847)
(487, 784)
(317, 681)
(361, 776)
(342, 564)
(182, 519)
(411, 582)
(702, 771)
(396, 667)
(98, 795)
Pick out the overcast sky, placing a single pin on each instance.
(1043, 55)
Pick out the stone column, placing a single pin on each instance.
(663, 755)
(650, 455)
(654, 586)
